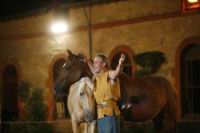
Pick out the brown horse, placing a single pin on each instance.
(149, 98)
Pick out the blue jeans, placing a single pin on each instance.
(109, 124)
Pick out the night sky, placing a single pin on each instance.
(14, 7)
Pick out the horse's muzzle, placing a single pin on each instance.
(89, 116)
(59, 90)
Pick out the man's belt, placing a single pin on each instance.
(107, 103)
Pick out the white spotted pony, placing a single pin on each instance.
(82, 106)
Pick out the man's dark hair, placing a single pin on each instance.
(104, 59)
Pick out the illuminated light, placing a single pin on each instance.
(59, 27)
(192, 1)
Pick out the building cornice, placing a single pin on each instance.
(104, 25)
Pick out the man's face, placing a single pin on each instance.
(98, 64)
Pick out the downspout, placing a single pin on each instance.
(89, 25)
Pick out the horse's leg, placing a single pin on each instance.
(75, 125)
(170, 123)
(165, 122)
(170, 118)
(84, 128)
(92, 126)
(159, 122)
(170, 110)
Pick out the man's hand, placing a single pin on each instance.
(84, 59)
(122, 59)
(90, 64)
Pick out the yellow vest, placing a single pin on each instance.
(104, 92)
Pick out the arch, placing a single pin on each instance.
(190, 81)
(11, 75)
(54, 64)
(115, 55)
(184, 44)
(15, 63)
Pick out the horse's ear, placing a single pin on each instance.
(69, 53)
(82, 86)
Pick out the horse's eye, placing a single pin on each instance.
(81, 94)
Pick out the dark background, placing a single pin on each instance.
(13, 7)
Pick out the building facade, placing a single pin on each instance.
(30, 52)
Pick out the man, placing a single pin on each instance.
(107, 93)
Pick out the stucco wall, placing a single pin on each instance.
(123, 10)
(26, 25)
(164, 35)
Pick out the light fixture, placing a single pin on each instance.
(189, 5)
(59, 26)
(192, 1)
(60, 19)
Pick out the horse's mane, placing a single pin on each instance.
(77, 84)
(82, 57)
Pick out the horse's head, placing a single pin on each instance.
(86, 99)
(70, 72)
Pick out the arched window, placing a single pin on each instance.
(190, 81)
(128, 67)
(10, 111)
(61, 110)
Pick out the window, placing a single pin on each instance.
(128, 66)
(191, 5)
(10, 111)
(190, 81)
